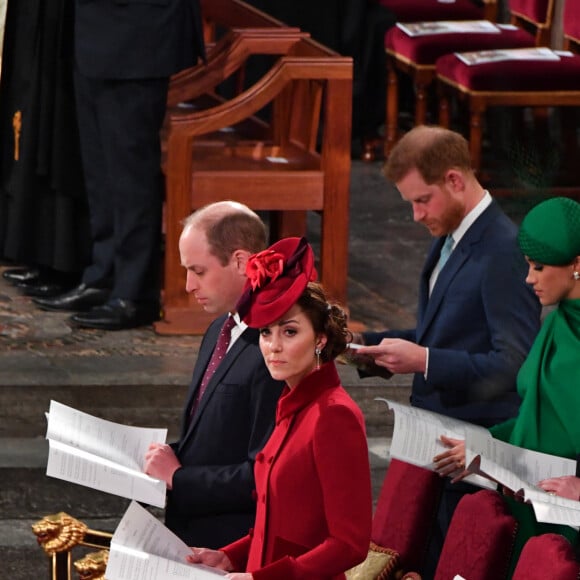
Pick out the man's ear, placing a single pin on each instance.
(240, 259)
(455, 180)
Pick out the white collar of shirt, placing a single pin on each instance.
(237, 330)
(461, 230)
(470, 218)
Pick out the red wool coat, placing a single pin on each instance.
(313, 487)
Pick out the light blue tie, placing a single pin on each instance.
(445, 251)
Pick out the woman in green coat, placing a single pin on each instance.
(549, 379)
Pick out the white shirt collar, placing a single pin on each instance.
(470, 218)
(238, 329)
(465, 224)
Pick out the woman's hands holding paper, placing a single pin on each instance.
(567, 486)
(451, 462)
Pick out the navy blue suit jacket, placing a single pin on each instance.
(137, 39)
(212, 502)
(478, 324)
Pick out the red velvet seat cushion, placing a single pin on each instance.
(406, 511)
(416, 10)
(547, 556)
(427, 49)
(480, 539)
(562, 75)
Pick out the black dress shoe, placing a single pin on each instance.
(118, 314)
(42, 288)
(16, 275)
(78, 299)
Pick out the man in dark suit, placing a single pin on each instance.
(125, 52)
(477, 318)
(209, 471)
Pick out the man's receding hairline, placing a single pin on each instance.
(424, 136)
(213, 213)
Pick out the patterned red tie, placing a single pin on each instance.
(219, 352)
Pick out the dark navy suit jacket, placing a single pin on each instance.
(137, 39)
(212, 502)
(479, 324)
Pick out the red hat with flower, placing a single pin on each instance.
(276, 279)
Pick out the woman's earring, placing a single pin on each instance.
(317, 352)
(576, 275)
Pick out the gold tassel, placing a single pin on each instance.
(17, 126)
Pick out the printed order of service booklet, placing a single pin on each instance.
(508, 54)
(429, 28)
(102, 455)
(416, 440)
(142, 547)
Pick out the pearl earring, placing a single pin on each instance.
(576, 275)
(317, 352)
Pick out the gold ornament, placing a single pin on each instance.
(92, 566)
(59, 532)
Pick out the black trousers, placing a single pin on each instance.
(119, 124)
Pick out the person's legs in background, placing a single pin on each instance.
(130, 115)
(119, 123)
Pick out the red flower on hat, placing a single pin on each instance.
(264, 266)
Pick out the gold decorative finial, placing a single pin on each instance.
(59, 532)
(92, 566)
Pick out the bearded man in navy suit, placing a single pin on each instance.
(125, 52)
(210, 471)
(476, 318)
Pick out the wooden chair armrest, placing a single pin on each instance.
(228, 56)
(249, 102)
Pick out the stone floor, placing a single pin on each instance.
(138, 377)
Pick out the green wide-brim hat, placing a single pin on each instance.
(550, 232)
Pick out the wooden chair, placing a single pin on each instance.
(421, 10)
(194, 89)
(415, 56)
(234, 31)
(511, 83)
(427, 10)
(307, 95)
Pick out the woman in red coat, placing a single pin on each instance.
(313, 487)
